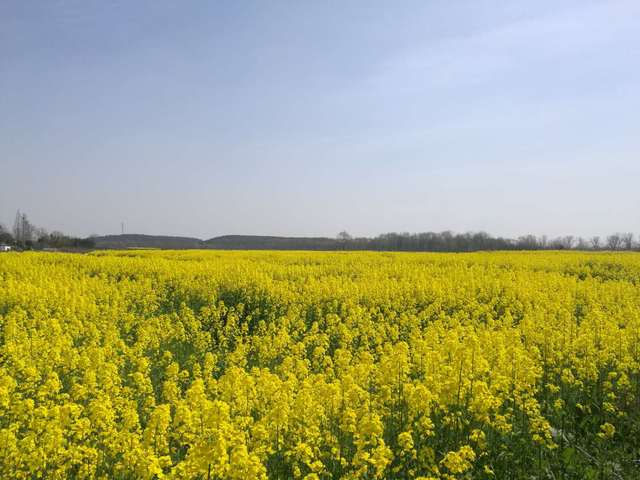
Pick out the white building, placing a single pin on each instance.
(5, 248)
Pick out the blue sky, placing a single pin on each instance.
(307, 118)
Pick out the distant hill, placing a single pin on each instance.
(261, 242)
(146, 241)
(226, 242)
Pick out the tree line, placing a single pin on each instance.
(26, 236)
(448, 241)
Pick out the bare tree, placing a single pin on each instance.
(344, 236)
(627, 240)
(40, 234)
(595, 242)
(27, 228)
(582, 244)
(23, 230)
(17, 227)
(527, 242)
(567, 242)
(544, 242)
(614, 241)
(5, 235)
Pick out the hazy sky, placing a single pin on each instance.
(306, 118)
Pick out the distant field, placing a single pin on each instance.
(241, 365)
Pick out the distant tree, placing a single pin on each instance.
(544, 242)
(58, 239)
(568, 242)
(17, 227)
(23, 230)
(344, 239)
(614, 241)
(563, 243)
(595, 242)
(480, 241)
(555, 244)
(582, 244)
(40, 234)
(627, 240)
(527, 242)
(5, 236)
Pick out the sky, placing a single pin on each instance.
(309, 118)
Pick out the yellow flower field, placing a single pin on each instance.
(241, 365)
